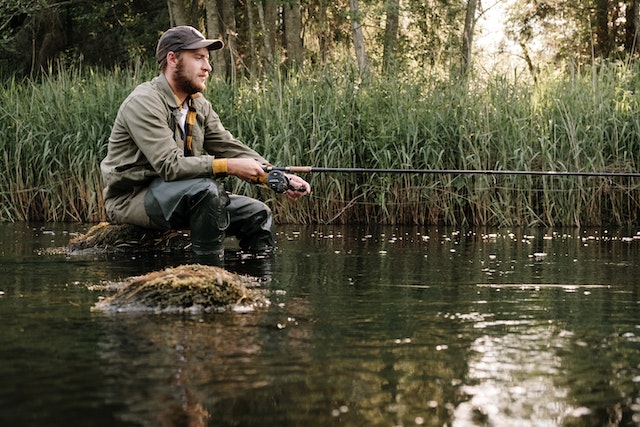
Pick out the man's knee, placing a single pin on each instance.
(212, 204)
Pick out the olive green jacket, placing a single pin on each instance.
(146, 143)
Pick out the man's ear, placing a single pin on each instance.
(172, 59)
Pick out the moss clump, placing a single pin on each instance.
(106, 237)
(190, 287)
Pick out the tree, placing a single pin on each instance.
(271, 31)
(292, 33)
(37, 33)
(268, 41)
(323, 30)
(390, 33)
(433, 31)
(257, 33)
(264, 34)
(467, 35)
(214, 30)
(178, 13)
(581, 30)
(230, 37)
(603, 40)
(358, 37)
(632, 28)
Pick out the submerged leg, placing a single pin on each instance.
(208, 220)
(200, 204)
(251, 223)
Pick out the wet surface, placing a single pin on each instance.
(367, 326)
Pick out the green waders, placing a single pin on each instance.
(211, 214)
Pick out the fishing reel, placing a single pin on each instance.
(278, 182)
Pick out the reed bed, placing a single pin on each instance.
(53, 134)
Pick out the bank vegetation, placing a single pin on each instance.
(54, 131)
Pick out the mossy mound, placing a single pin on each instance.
(186, 288)
(106, 237)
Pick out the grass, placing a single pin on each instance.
(53, 134)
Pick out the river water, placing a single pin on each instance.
(368, 326)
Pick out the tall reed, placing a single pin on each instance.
(583, 121)
(53, 135)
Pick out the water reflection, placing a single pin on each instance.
(201, 370)
(523, 368)
(172, 357)
(510, 380)
(368, 326)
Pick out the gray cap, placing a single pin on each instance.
(184, 37)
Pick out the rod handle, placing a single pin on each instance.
(292, 169)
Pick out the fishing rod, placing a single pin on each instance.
(312, 169)
(277, 180)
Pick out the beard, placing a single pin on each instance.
(184, 82)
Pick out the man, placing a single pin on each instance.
(168, 147)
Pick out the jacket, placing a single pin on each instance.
(146, 143)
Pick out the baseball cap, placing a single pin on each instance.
(184, 37)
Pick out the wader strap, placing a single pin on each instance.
(188, 128)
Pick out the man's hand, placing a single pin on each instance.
(245, 169)
(252, 171)
(298, 187)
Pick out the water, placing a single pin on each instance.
(368, 326)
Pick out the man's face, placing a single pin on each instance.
(192, 70)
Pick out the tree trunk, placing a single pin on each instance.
(390, 34)
(214, 30)
(324, 32)
(293, 33)
(636, 26)
(229, 35)
(631, 27)
(358, 38)
(467, 36)
(253, 56)
(527, 57)
(266, 39)
(271, 18)
(603, 36)
(177, 13)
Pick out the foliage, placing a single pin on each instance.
(584, 121)
(582, 30)
(37, 33)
